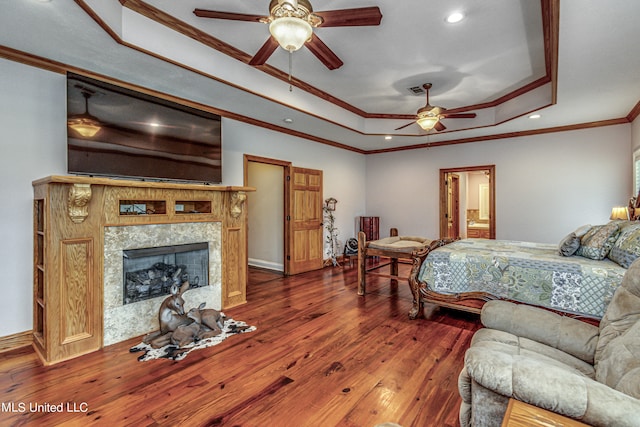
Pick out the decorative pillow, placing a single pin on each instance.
(627, 248)
(598, 241)
(581, 231)
(569, 245)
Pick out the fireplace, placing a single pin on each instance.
(80, 234)
(194, 247)
(150, 272)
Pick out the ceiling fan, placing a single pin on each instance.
(429, 117)
(291, 25)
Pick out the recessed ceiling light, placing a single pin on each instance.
(455, 17)
(388, 137)
(535, 116)
(287, 120)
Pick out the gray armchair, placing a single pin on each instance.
(561, 364)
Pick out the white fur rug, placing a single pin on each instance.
(173, 352)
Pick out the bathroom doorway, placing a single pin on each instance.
(467, 202)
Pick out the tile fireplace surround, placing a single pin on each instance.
(81, 227)
(122, 321)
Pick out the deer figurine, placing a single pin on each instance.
(185, 334)
(210, 321)
(170, 316)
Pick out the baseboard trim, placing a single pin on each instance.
(12, 342)
(268, 265)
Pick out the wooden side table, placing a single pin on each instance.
(520, 414)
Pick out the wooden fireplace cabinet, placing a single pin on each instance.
(70, 214)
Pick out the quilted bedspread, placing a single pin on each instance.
(527, 272)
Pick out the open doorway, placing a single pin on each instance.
(285, 229)
(467, 202)
(266, 209)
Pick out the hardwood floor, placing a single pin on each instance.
(321, 356)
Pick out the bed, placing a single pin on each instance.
(464, 274)
(394, 248)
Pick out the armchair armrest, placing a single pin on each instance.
(551, 387)
(563, 333)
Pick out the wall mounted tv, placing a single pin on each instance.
(117, 132)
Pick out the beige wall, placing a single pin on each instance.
(473, 195)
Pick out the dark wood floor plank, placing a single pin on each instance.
(321, 355)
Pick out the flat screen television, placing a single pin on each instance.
(117, 132)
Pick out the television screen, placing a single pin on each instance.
(114, 131)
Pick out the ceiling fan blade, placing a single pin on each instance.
(459, 115)
(439, 126)
(404, 126)
(323, 53)
(203, 13)
(351, 17)
(264, 52)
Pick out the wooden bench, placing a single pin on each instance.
(393, 247)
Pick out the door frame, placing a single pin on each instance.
(287, 172)
(455, 206)
(444, 195)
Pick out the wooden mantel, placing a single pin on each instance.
(70, 214)
(113, 182)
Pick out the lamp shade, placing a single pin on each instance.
(427, 122)
(619, 212)
(290, 32)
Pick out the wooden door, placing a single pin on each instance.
(304, 221)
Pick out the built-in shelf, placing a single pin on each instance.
(143, 207)
(192, 207)
(39, 276)
(159, 207)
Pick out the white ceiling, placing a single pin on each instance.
(497, 49)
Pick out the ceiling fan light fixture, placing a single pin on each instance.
(290, 32)
(455, 17)
(427, 122)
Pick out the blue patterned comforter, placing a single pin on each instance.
(532, 273)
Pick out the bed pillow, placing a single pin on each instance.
(569, 245)
(597, 242)
(626, 249)
(581, 231)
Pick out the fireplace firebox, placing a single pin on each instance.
(150, 272)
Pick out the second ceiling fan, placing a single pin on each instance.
(291, 24)
(429, 117)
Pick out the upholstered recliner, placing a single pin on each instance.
(554, 362)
